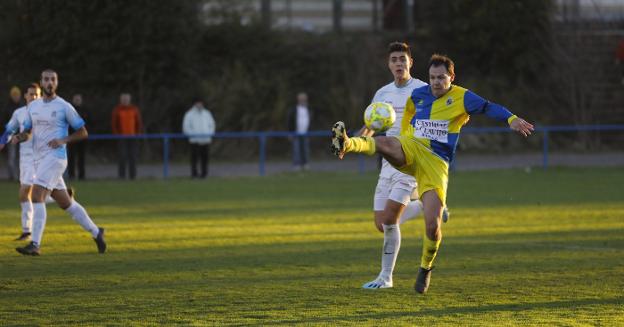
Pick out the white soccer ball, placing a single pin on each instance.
(379, 116)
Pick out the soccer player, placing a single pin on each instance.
(430, 130)
(48, 121)
(392, 202)
(16, 123)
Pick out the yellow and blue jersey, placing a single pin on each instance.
(436, 122)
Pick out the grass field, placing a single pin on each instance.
(539, 248)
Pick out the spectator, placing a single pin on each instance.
(15, 101)
(126, 121)
(199, 121)
(619, 59)
(299, 119)
(76, 150)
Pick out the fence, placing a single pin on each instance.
(262, 138)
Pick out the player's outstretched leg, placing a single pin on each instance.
(99, 240)
(341, 143)
(80, 215)
(339, 139)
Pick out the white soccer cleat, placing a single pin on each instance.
(377, 283)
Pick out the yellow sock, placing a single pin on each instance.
(361, 144)
(430, 249)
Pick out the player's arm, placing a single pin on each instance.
(475, 104)
(21, 137)
(76, 123)
(11, 128)
(79, 135)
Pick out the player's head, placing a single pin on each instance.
(77, 99)
(400, 60)
(33, 92)
(125, 99)
(302, 98)
(15, 94)
(441, 74)
(49, 82)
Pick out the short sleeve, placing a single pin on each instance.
(73, 118)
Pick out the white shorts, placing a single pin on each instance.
(399, 189)
(49, 173)
(27, 173)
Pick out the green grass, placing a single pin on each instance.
(540, 248)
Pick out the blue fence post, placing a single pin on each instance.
(545, 149)
(361, 164)
(165, 156)
(262, 138)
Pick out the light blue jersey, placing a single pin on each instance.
(17, 125)
(50, 120)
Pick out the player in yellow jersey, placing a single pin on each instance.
(430, 130)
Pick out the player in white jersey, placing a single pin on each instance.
(16, 123)
(393, 203)
(48, 122)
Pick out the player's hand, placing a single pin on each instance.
(56, 143)
(15, 139)
(521, 126)
(1, 146)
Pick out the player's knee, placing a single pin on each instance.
(433, 230)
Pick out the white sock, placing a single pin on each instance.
(39, 221)
(79, 214)
(392, 244)
(411, 211)
(27, 216)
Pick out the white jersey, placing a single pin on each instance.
(50, 120)
(397, 97)
(16, 125)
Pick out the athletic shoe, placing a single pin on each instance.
(24, 236)
(30, 249)
(422, 280)
(99, 240)
(377, 283)
(445, 214)
(339, 137)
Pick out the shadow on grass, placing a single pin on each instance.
(428, 314)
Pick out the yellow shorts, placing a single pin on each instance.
(430, 171)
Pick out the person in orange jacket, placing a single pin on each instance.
(126, 121)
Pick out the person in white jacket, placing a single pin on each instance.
(199, 125)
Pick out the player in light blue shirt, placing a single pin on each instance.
(48, 122)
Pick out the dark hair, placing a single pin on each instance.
(197, 99)
(439, 60)
(32, 86)
(399, 47)
(49, 70)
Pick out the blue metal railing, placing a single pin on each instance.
(263, 136)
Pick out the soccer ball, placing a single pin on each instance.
(379, 116)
